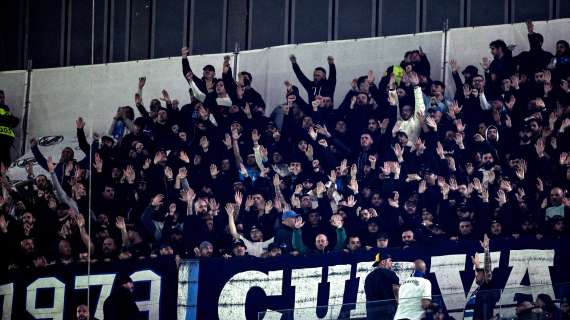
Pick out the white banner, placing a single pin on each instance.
(478, 39)
(59, 96)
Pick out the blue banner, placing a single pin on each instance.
(55, 292)
(241, 288)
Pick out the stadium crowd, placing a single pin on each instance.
(400, 162)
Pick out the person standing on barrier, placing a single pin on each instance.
(381, 287)
(481, 303)
(7, 124)
(414, 296)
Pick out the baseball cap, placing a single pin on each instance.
(289, 214)
(471, 69)
(382, 236)
(238, 243)
(378, 258)
(274, 245)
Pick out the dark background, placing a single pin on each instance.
(55, 33)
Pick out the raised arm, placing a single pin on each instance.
(59, 192)
(85, 238)
(120, 224)
(337, 223)
(83, 144)
(305, 82)
(230, 210)
(332, 72)
(185, 64)
(487, 263)
(42, 161)
(418, 95)
(297, 242)
(140, 107)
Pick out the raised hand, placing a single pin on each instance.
(351, 201)
(313, 133)
(168, 173)
(506, 186)
(501, 197)
(129, 174)
(249, 202)
(393, 202)
(370, 76)
(485, 242)
(184, 51)
(157, 200)
(165, 96)
(142, 82)
(255, 136)
(353, 185)
(454, 65)
(182, 173)
(337, 221)
(299, 223)
(529, 26)
(332, 176)
(238, 198)
(372, 159)
(235, 135)
(476, 261)
(183, 156)
(214, 205)
(398, 151)
(292, 58)
(268, 206)
(120, 223)
(539, 147)
(343, 167)
(485, 63)
(353, 170)
(188, 196)
(439, 150)
(214, 171)
(80, 123)
(422, 187)
(146, 164)
(230, 209)
(430, 122)
(50, 164)
(320, 189)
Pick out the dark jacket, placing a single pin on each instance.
(324, 87)
(121, 305)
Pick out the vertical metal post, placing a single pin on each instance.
(26, 107)
(152, 46)
(444, 53)
(236, 55)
